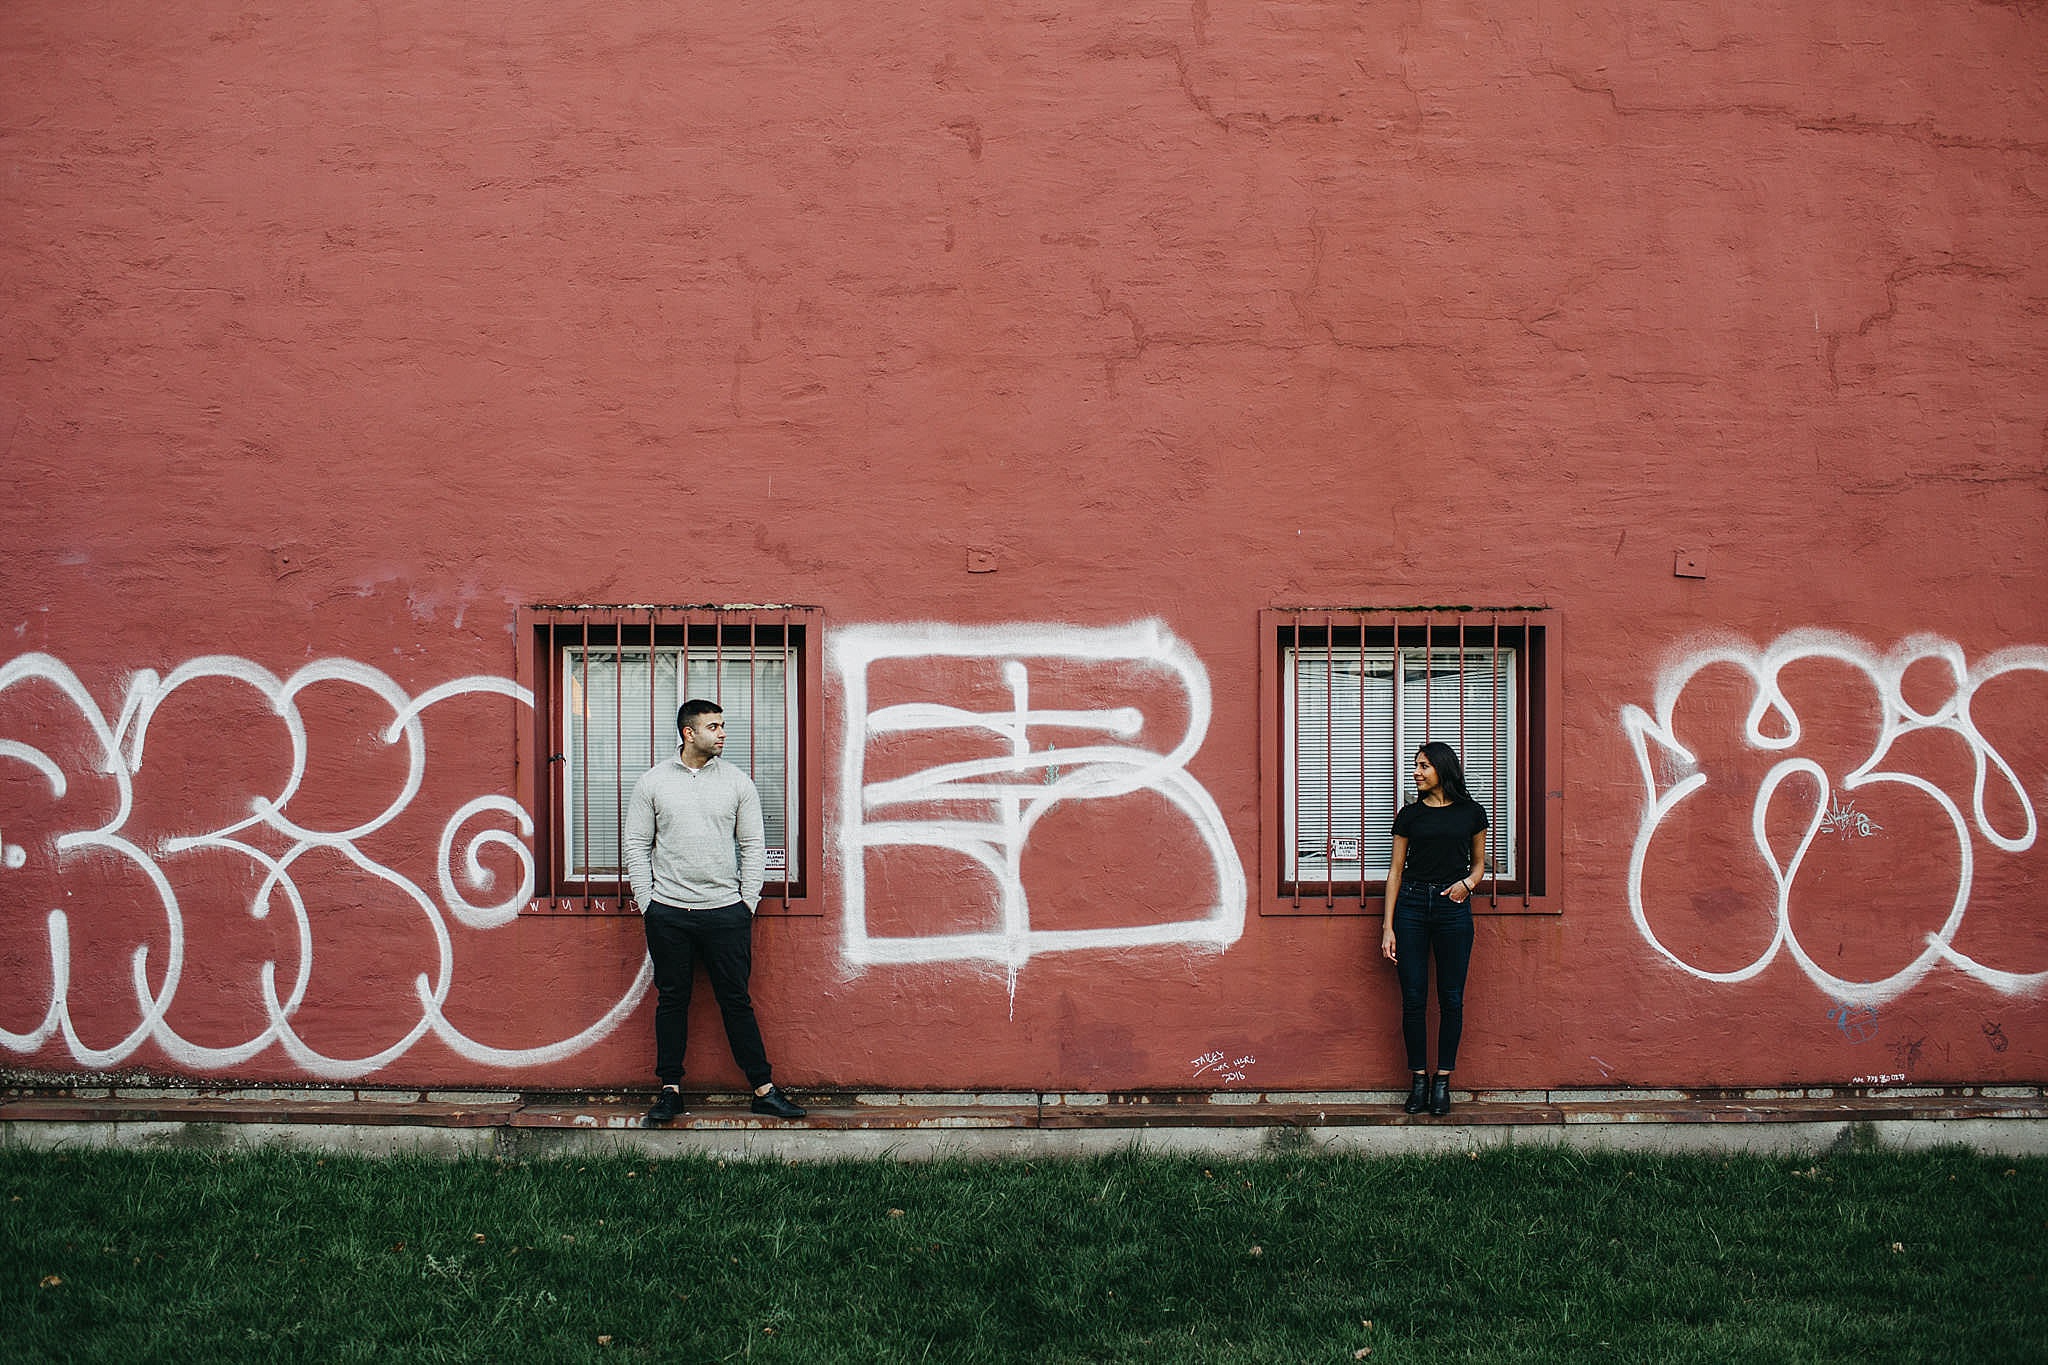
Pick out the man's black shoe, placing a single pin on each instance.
(668, 1106)
(775, 1104)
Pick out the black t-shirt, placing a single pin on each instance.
(1439, 839)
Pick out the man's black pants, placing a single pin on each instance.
(724, 941)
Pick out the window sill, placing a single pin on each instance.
(610, 907)
(1341, 903)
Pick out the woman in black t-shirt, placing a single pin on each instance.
(1439, 859)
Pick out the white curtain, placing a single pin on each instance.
(1355, 720)
(620, 720)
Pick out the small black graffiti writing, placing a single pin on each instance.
(1994, 1034)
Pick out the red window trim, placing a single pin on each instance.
(545, 631)
(1538, 810)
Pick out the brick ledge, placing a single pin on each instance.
(593, 1111)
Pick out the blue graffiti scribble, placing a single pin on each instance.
(1858, 1023)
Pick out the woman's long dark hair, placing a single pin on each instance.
(1450, 773)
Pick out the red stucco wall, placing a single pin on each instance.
(342, 334)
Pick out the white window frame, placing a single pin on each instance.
(613, 781)
(1365, 795)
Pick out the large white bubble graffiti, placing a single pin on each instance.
(120, 750)
(1671, 775)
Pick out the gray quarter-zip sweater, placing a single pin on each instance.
(693, 837)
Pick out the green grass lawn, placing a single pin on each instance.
(1529, 1254)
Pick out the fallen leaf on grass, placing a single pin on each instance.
(1898, 1246)
(1256, 1251)
(1366, 1323)
(52, 1281)
(895, 1213)
(1361, 1353)
(604, 1340)
(476, 1236)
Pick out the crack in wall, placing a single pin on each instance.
(1245, 121)
(1919, 131)
(1892, 283)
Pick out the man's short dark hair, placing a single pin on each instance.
(690, 712)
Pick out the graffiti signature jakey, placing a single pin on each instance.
(1227, 1071)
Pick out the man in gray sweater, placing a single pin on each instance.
(695, 855)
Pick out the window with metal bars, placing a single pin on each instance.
(607, 683)
(1352, 694)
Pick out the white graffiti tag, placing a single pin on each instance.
(273, 840)
(1844, 819)
(982, 808)
(1673, 774)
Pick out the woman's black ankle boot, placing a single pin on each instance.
(1440, 1096)
(1418, 1094)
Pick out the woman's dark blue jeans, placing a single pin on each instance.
(1426, 922)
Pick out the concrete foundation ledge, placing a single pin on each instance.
(2003, 1120)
